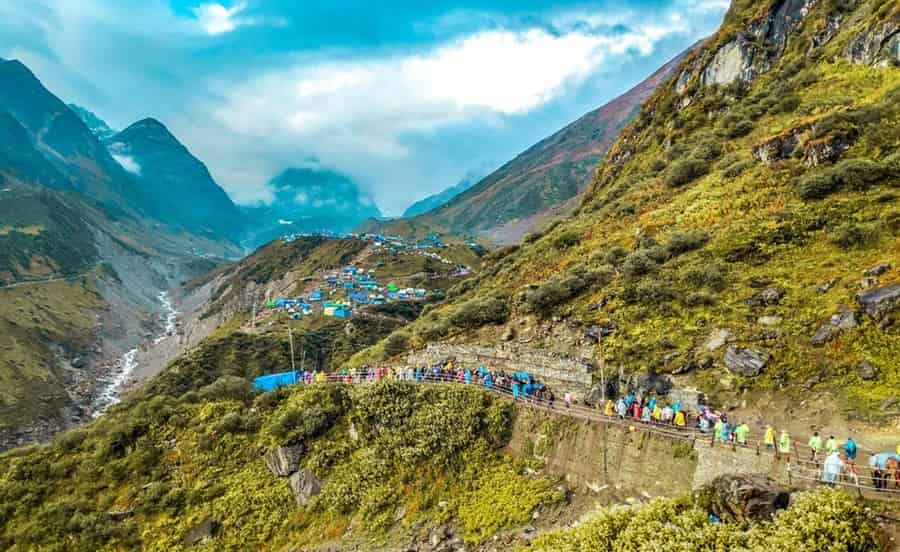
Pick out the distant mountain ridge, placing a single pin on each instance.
(307, 200)
(547, 178)
(439, 199)
(178, 185)
(64, 142)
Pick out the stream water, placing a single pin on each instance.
(114, 383)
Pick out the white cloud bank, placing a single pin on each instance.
(369, 104)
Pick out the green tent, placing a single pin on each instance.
(271, 305)
(392, 287)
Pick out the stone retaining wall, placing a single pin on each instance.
(592, 456)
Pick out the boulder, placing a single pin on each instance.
(839, 322)
(878, 270)
(717, 339)
(201, 532)
(304, 486)
(826, 150)
(767, 297)
(867, 371)
(746, 362)
(284, 460)
(768, 320)
(690, 399)
(880, 301)
(656, 383)
(751, 497)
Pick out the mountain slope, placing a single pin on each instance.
(437, 200)
(178, 186)
(95, 124)
(306, 200)
(743, 232)
(547, 175)
(64, 140)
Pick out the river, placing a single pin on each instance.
(113, 384)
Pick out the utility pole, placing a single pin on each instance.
(254, 310)
(291, 339)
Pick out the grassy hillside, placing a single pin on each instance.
(759, 207)
(42, 235)
(36, 322)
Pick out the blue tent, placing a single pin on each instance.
(315, 296)
(272, 382)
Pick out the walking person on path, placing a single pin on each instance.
(831, 445)
(741, 432)
(784, 446)
(769, 438)
(815, 445)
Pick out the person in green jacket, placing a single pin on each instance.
(815, 445)
(741, 432)
(784, 445)
(831, 445)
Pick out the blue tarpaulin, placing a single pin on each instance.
(524, 376)
(272, 382)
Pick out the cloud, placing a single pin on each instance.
(370, 104)
(216, 19)
(128, 163)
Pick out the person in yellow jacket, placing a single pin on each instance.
(320, 377)
(608, 409)
(679, 419)
(784, 445)
(769, 438)
(657, 413)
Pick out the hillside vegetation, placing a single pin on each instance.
(760, 206)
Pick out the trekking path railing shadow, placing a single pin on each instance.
(800, 472)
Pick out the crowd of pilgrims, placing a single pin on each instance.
(523, 386)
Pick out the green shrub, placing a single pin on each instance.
(638, 263)
(396, 344)
(658, 165)
(859, 174)
(740, 128)
(683, 242)
(709, 149)
(307, 414)
(736, 169)
(479, 312)
(699, 299)
(502, 497)
(566, 239)
(685, 171)
(818, 185)
(851, 235)
(432, 330)
(562, 288)
(226, 388)
(614, 255)
(710, 275)
(648, 292)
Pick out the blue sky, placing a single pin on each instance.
(404, 96)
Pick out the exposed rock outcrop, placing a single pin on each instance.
(878, 45)
(838, 323)
(745, 497)
(767, 297)
(304, 486)
(746, 362)
(284, 460)
(867, 371)
(733, 62)
(201, 532)
(880, 301)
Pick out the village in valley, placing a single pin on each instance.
(377, 277)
